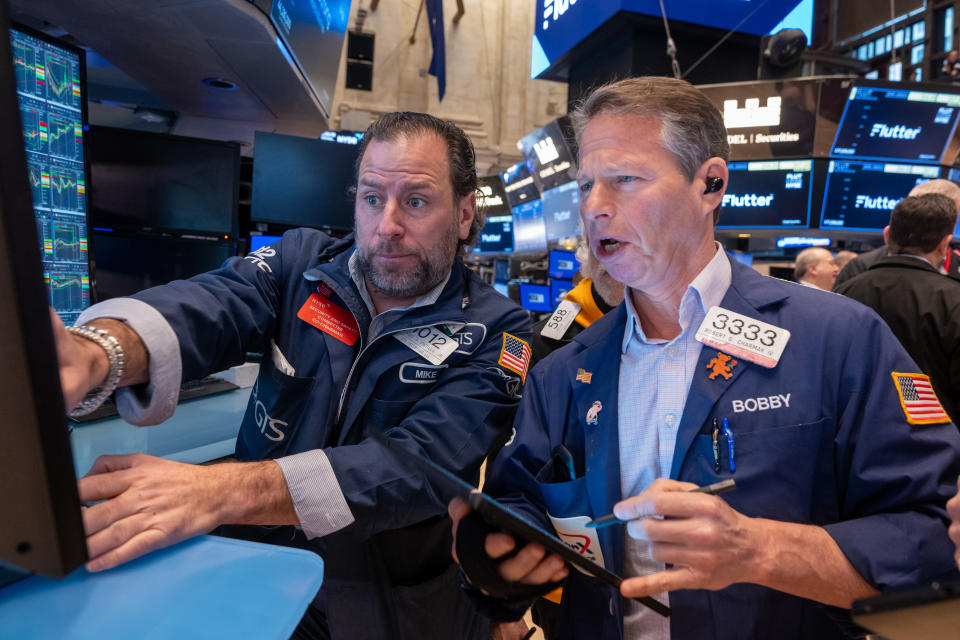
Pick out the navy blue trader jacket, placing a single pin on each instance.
(819, 439)
(392, 564)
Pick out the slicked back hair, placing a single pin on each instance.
(460, 155)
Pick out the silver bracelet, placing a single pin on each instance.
(114, 351)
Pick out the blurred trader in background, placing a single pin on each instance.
(843, 257)
(921, 305)
(839, 488)
(815, 267)
(595, 295)
(863, 262)
(386, 332)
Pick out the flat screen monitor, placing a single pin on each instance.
(897, 123)
(563, 264)
(954, 176)
(535, 297)
(152, 181)
(519, 185)
(496, 236)
(128, 263)
(529, 232)
(561, 211)
(51, 92)
(303, 182)
(551, 152)
(860, 195)
(559, 289)
(42, 530)
(501, 270)
(768, 194)
(502, 288)
(775, 119)
(259, 242)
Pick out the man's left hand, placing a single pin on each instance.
(708, 543)
(148, 503)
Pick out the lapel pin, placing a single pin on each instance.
(584, 376)
(721, 365)
(594, 413)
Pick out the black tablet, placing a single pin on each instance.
(450, 486)
(926, 612)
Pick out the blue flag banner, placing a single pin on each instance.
(438, 63)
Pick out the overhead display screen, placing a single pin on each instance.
(772, 194)
(882, 123)
(859, 196)
(529, 233)
(561, 211)
(519, 185)
(550, 155)
(559, 25)
(313, 32)
(767, 119)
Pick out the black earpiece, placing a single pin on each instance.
(714, 185)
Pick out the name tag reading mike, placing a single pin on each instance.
(743, 337)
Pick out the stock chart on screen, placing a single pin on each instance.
(49, 90)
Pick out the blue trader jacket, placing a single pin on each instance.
(819, 439)
(385, 574)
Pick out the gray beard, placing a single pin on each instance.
(428, 273)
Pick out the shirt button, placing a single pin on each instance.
(670, 419)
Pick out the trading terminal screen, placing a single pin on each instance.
(561, 211)
(535, 297)
(529, 232)
(50, 92)
(496, 236)
(896, 124)
(859, 196)
(768, 194)
(563, 265)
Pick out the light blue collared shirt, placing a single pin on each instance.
(655, 377)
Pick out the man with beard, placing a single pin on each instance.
(385, 333)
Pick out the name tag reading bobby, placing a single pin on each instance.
(429, 343)
(743, 337)
(560, 320)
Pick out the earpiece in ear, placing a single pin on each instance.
(714, 185)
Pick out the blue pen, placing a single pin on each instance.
(728, 434)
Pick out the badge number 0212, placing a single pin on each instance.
(744, 337)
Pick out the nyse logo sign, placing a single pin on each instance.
(752, 114)
(553, 9)
(546, 150)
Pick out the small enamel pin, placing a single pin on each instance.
(594, 413)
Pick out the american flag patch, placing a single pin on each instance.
(584, 376)
(515, 355)
(918, 400)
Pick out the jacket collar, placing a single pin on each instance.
(904, 262)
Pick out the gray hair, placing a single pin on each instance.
(691, 126)
(939, 185)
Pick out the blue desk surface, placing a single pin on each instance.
(206, 587)
(200, 430)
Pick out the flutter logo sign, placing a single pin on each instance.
(747, 200)
(864, 201)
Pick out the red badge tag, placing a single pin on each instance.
(330, 318)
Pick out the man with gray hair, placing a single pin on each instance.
(815, 267)
(921, 305)
(707, 371)
(863, 262)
